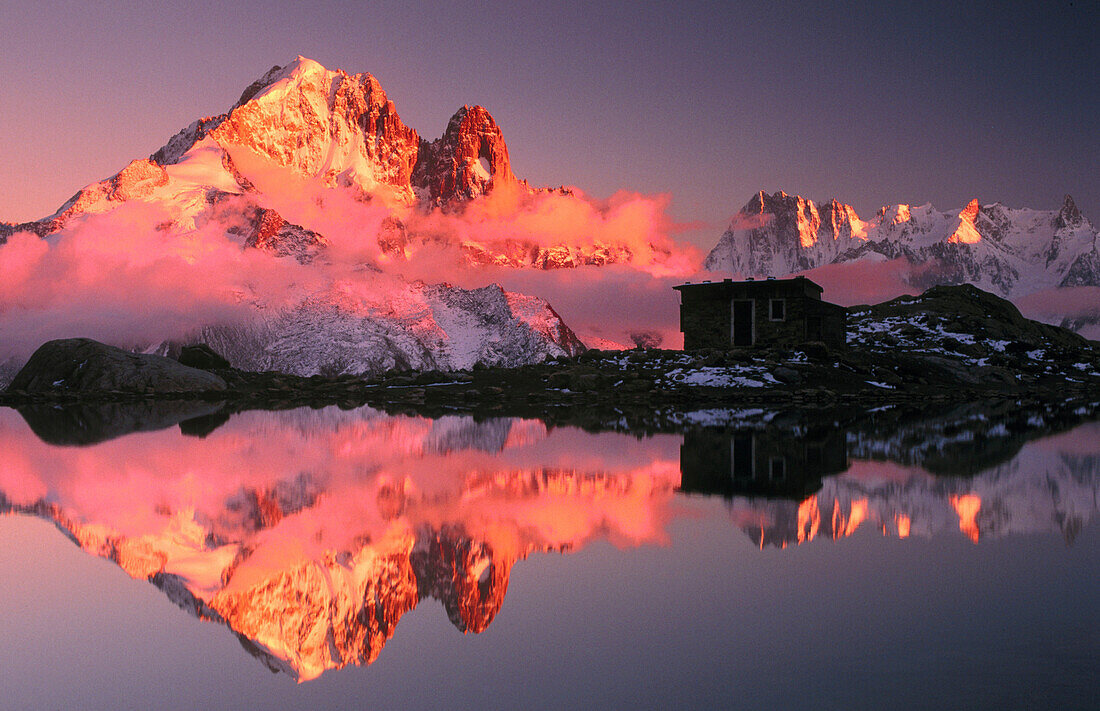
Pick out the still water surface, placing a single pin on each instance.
(334, 559)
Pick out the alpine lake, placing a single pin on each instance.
(169, 555)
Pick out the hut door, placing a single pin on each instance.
(813, 328)
(742, 322)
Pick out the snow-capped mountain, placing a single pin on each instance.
(342, 131)
(1009, 251)
(378, 322)
(330, 149)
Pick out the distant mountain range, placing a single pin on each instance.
(1008, 251)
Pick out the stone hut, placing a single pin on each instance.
(764, 312)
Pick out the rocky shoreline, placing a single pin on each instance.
(644, 387)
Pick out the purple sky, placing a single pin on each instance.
(709, 104)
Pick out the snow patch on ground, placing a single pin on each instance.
(735, 376)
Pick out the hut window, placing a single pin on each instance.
(778, 309)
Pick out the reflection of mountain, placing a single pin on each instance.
(303, 613)
(310, 533)
(793, 485)
(341, 609)
(1041, 491)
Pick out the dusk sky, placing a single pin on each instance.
(706, 102)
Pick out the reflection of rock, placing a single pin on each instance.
(770, 462)
(84, 365)
(326, 615)
(961, 440)
(203, 425)
(89, 424)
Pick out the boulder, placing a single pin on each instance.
(81, 365)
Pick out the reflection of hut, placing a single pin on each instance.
(760, 462)
(741, 314)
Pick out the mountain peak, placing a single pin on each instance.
(1069, 215)
(344, 129)
(965, 232)
(299, 67)
(777, 202)
(305, 64)
(755, 205)
(895, 214)
(970, 212)
(471, 159)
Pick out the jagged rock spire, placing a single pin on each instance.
(1069, 215)
(449, 169)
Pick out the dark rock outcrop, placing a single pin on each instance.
(1069, 215)
(81, 365)
(968, 309)
(203, 357)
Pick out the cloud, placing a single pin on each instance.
(1058, 303)
(118, 278)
